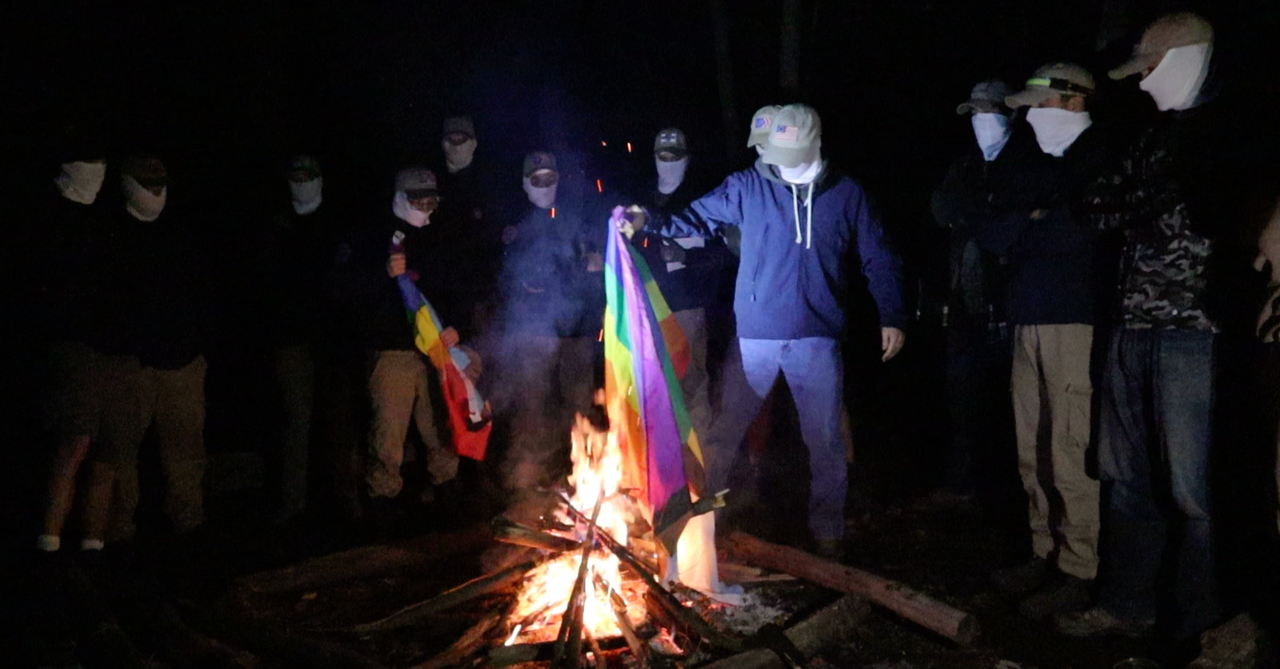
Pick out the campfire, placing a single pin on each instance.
(545, 596)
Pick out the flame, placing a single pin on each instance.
(597, 471)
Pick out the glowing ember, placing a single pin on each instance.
(597, 470)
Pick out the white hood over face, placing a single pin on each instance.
(458, 157)
(542, 198)
(1057, 129)
(142, 203)
(670, 173)
(1177, 80)
(306, 195)
(80, 181)
(406, 212)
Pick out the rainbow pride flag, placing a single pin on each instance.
(645, 354)
(469, 417)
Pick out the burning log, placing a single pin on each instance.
(365, 561)
(659, 595)
(569, 640)
(827, 627)
(638, 648)
(448, 599)
(957, 625)
(511, 532)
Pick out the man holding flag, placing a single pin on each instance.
(800, 219)
(408, 339)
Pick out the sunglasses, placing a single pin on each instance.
(544, 179)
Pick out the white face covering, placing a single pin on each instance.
(992, 133)
(405, 211)
(670, 174)
(458, 157)
(306, 195)
(142, 203)
(81, 181)
(1056, 129)
(542, 198)
(803, 173)
(1177, 80)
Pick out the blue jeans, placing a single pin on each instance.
(814, 371)
(1155, 434)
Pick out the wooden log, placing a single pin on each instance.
(472, 642)
(287, 646)
(826, 628)
(505, 656)
(569, 639)
(639, 650)
(510, 532)
(366, 561)
(448, 599)
(957, 625)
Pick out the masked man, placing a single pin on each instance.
(160, 283)
(978, 352)
(800, 220)
(1051, 305)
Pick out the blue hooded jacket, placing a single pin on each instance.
(792, 279)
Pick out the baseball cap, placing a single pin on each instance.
(417, 182)
(986, 97)
(671, 140)
(538, 161)
(1167, 32)
(302, 163)
(761, 124)
(796, 133)
(1055, 78)
(460, 124)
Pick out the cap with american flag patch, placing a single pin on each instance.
(761, 124)
(795, 137)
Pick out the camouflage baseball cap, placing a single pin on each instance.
(1053, 79)
(1166, 32)
(986, 97)
(761, 124)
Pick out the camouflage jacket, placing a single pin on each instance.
(1165, 265)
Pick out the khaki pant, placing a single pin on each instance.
(400, 388)
(1051, 405)
(172, 403)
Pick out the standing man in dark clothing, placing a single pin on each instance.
(1051, 305)
(293, 253)
(159, 283)
(401, 385)
(552, 314)
(466, 227)
(79, 376)
(691, 272)
(801, 220)
(978, 347)
(1172, 197)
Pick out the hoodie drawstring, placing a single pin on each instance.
(807, 237)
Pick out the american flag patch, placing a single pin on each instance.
(786, 133)
(762, 122)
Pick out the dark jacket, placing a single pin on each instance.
(469, 224)
(375, 297)
(977, 286)
(546, 288)
(708, 270)
(290, 259)
(157, 280)
(788, 289)
(1054, 257)
(69, 302)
